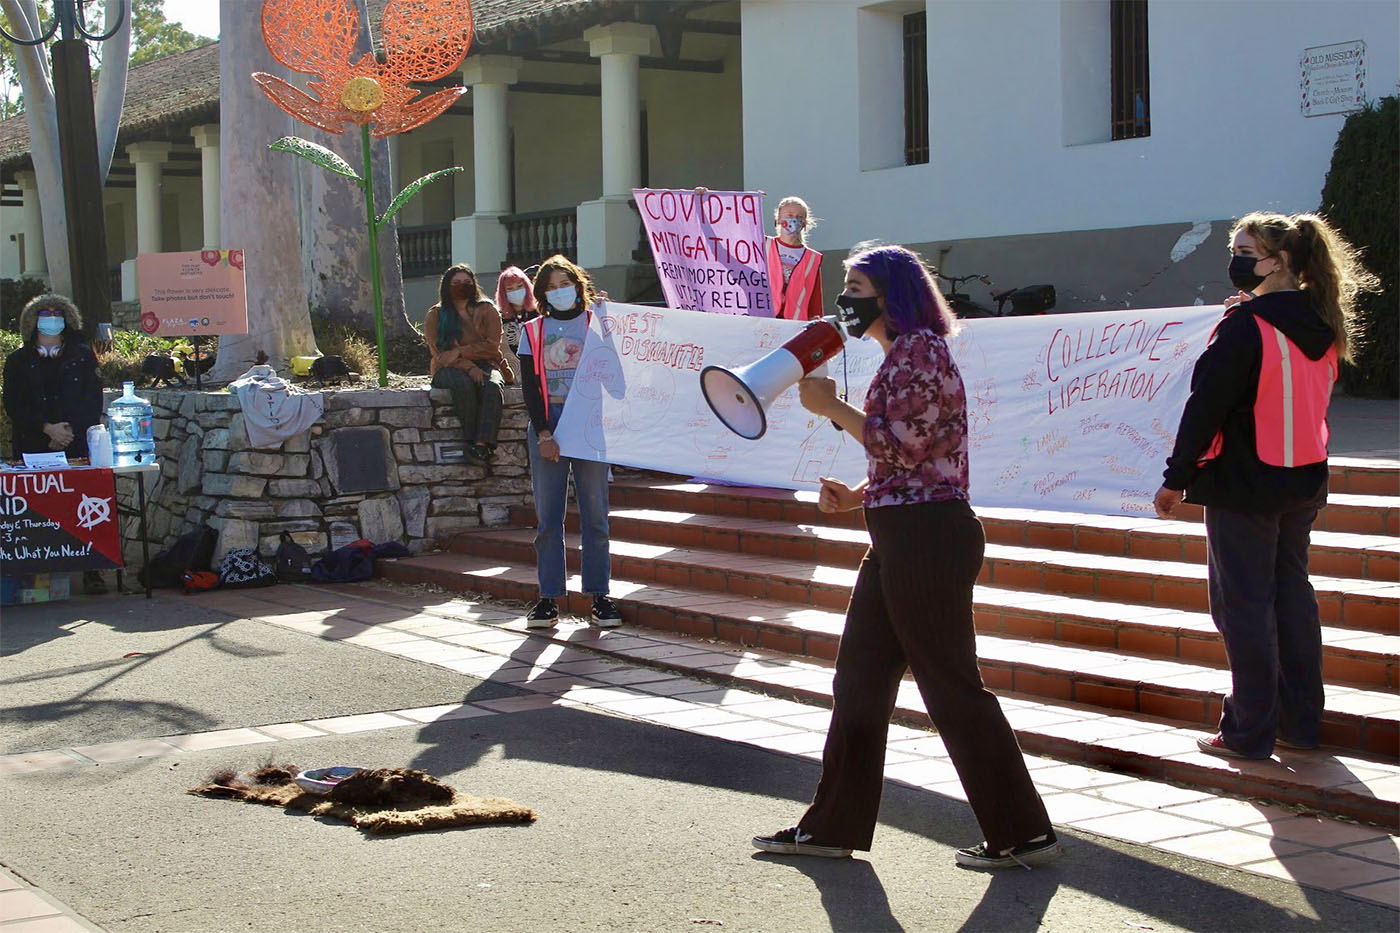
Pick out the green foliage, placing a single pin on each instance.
(9, 343)
(14, 295)
(1359, 198)
(410, 190)
(317, 154)
(405, 355)
(122, 363)
(152, 37)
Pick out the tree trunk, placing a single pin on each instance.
(336, 245)
(260, 189)
(41, 116)
(111, 90)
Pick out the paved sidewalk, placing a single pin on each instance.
(1327, 864)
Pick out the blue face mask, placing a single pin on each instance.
(51, 326)
(563, 298)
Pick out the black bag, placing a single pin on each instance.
(193, 550)
(291, 561)
(243, 568)
(348, 564)
(326, 369)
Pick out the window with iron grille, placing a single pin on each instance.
(1132, 112)
(916, 88)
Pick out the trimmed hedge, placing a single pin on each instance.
(1360, 198)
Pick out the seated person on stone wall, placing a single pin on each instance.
(515, 296)
(463, 334)
(53, 392)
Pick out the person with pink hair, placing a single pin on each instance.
(515, 296)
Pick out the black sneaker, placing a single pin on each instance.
(543, 614)
(483, 452)
(1038, 850)
(605, 612)
(794, 841)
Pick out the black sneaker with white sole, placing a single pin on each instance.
(605, 612)
(543, 614)
(794, 841)
(1031, 852)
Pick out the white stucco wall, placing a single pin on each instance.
(11, 225)
(1227, 132)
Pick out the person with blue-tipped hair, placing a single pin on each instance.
(911, 607)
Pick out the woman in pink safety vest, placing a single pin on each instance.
(1252, 449)
(794, 271)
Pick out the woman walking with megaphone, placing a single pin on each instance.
(911, 607)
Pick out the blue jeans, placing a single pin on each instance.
(551, 487)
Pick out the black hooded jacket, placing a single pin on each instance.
(1223, 389)
(40, 391)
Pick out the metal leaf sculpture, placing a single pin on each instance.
(424, 41)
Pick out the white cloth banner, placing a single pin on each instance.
(1075, 412)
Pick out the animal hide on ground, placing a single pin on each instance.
(379, 801)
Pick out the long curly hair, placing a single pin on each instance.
(29, 317)
(1327, 267)
(586, 293)
(912, 301)
(449, 326)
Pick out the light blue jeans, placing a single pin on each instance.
(551, 487)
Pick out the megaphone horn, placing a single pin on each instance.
(740, 398)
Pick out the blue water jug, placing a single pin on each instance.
(131, 422)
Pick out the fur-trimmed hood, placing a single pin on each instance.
(29, 317)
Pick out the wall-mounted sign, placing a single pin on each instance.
(1332, 78)
(192, 294)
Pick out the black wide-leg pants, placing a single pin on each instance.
(912, 609)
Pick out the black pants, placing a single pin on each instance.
(912, 608)
(478, 407)
(1266, 611)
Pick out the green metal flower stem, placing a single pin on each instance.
(367, 182)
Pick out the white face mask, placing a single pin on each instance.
(562, 299)
(515, 296)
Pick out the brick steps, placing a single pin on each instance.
(1357, 719)
(1368, 605)
(1349, 657)
(1084, 706)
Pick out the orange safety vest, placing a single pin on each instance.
(801, 297)
(1290, 405)
(534, 334)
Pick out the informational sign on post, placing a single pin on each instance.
(192, 294)
(709, 249)
(1332, 78)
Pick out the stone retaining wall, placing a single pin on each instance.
(210, 473)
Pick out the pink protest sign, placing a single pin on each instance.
(709, 249)
(192, 294)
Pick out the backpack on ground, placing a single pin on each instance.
(199, 581)
(243, 568)
(292, 563)
(193, 550)
(348, 564)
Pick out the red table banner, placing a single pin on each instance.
(53, 521)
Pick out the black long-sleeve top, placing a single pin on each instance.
(41, 390)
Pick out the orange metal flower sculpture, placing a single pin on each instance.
(424, 40)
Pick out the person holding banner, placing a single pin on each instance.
(1252, 448)
(911, 607)
(463, 334)
(794, 270)
(515, 298)
(550, 348)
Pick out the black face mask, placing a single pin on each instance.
(1242, 274)
(857, 314)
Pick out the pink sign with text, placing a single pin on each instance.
(709, 249)
(192, 294)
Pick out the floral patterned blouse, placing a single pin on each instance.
(916, 425)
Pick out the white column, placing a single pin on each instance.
(607, 228)
(206, 139)
(36, 261)
(481, 238)
(148, 157)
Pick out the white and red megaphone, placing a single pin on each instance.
(741, 398)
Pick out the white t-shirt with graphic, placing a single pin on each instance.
(789, 256)
(563, 345)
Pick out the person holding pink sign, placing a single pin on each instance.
(794, 270)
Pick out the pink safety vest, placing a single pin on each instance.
(1290, 405)
(803, 290)
(534, 333)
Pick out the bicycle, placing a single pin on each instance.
(1030, 299)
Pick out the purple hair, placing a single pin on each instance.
(912, 302)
